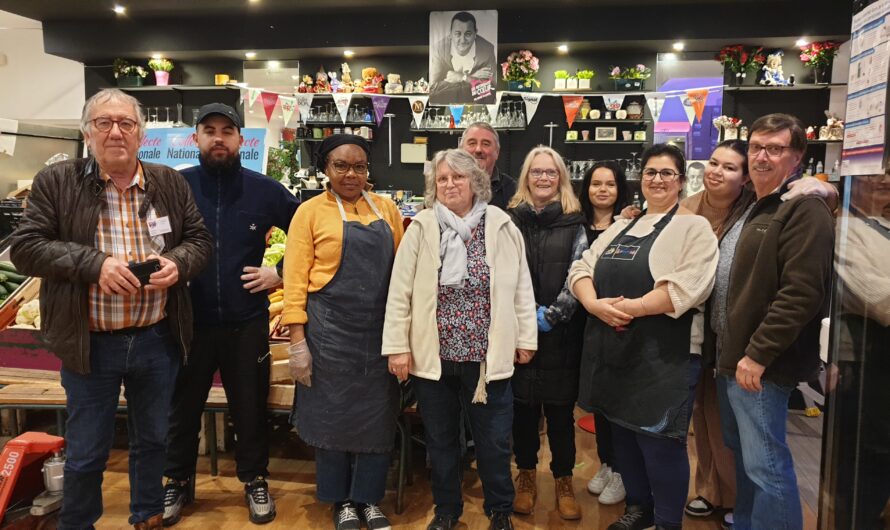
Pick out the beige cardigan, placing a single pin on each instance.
(410, 324)
(684, 257)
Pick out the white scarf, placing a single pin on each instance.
(454, 233)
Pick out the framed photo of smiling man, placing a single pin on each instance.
(463, 51)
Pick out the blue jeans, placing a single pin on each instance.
(146, 361)
(440, 403)
(754, 427)
(357, 477)
(655, 469)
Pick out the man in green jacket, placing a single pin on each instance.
(88, 224)
(777, 294)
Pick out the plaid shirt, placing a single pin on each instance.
(122, 234)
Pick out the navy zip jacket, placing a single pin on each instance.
(239, 207)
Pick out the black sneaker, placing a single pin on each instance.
(374, 518)
(634, 518)
(346, 517)
(259, 502)
(442, 522)
(177, 494)
(501, 521)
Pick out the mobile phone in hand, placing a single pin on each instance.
(144, 269)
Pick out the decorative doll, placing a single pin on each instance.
(772, 74)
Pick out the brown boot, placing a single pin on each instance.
(526, 492)
(565, 499)
(155, 522)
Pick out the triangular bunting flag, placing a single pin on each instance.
(493, 109)
(655, 104)
(687, 108)
(380, 103)
(613, 102)
(571, 105)
(304, 105)
(288, 106)
(252, 94)
(698, 97)
(531, 105)
(457, 111)
(342, 102)
(418, 105)
(269, 101)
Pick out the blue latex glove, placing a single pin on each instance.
(543, 325)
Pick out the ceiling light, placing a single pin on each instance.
(120, 10)
(273, 65)
(801, 42)
(250, 55)
(563, 48)
(678, 46)
(348, 54)
(254, 1)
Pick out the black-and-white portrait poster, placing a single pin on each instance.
(463, 56)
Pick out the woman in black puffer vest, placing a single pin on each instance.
(549, 216)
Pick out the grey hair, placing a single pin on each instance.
(481, 125)
(461, 163)
(108, 95)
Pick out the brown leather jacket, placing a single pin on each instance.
(55, 241)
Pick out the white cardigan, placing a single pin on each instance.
(413, 298)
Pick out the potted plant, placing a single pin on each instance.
(572, 83)
(520, 70)
(128, 75)
(559, 83)
(819, 56)
(584, 77)
(738, 60)
(161, 68)
(630, 78)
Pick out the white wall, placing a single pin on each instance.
(34, 85)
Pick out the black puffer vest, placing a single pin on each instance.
(552, 376)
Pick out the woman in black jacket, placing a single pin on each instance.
(603, 195)
(549, 216)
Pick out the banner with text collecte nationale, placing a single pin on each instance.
(175, 147)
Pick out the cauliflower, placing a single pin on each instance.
(28, 313)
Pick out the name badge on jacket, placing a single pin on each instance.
(621, 252)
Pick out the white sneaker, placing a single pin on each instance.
(613, 493)
(599, 481)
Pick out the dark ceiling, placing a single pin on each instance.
(88, 30)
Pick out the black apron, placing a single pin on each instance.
(352, 403)
(636, 377)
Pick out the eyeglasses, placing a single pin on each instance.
(538, 173)
(771, 150)
(456, 179)
(342, 168)
(126, 125)
(667, 175)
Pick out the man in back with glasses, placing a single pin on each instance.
(114, 241)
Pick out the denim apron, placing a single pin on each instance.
(352, 403)
(636, 376)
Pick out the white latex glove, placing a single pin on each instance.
(260, 278)
(299, 360)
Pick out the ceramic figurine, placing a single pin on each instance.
(772, 70)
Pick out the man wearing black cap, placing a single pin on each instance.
(231, 313)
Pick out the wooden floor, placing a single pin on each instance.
(220, 504)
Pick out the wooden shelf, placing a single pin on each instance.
(341, 124)
(461, 130)
(607, 142)
(803, 86)
(322, 139)
(614, 120)
(178, 88)
(825, 141)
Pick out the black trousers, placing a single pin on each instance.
(241, 353)
(560, 433)
(604, 448)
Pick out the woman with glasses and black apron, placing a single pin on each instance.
(338, 262)
(643, 283)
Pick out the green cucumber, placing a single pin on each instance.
(3, 290)
(7, 266)
(14, 277)
(10, 286)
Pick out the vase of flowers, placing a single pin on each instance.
(727, 128)
(520, 70)
(128, 75)
(584, 77)
(738, 60)
(161, 68)
(632, 78)
(819, 56)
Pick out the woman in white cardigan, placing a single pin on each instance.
(644, 283)
(460, 312)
